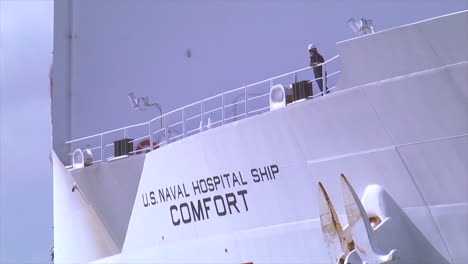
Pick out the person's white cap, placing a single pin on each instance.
(311, 46)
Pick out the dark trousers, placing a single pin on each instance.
(320, 81)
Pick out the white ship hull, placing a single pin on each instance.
(247, 192)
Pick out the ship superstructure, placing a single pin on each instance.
(373, 172)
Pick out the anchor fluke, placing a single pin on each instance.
(338, 244)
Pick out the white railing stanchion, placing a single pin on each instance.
(166, 132)
(183, 123)
(222, 109)
(324, 84)
(150, 136)
(102, 150)
(245, 101)
(201, 115)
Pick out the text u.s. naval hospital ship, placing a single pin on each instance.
(374, 172)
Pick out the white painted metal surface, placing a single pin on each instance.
(431, 43)
(112, 186)
(79, 235)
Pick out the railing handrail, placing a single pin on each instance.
(203, 100)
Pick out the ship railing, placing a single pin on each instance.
(209, 113)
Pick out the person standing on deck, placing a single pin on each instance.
(316, 59)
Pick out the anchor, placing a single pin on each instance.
(355, 243)
(378, 230)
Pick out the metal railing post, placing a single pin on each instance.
(294, 77)
(245, 100)
(201, 115)
(324, 85)
(183, 123)
(222, 109)
(150, 136)
(166, 132)
(125, 133)
(102, 150)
